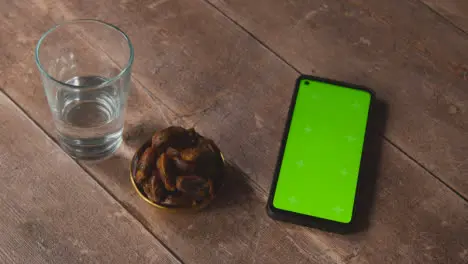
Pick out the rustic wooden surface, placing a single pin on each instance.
(227, 67)
(413, 58)
(456, 11)
(58, 214)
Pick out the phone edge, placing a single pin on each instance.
(310, 221)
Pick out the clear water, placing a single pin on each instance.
(90, 122)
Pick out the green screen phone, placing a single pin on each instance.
(318, 167)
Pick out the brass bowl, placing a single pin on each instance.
(133, 170)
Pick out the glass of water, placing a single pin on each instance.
(85, 68)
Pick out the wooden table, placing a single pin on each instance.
(228, 67)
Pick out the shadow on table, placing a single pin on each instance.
(235, 190)
(369, 172)
(137, 135)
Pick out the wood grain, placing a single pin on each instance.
(241, 103)
(411, 57)
(415, 220)
(56, 213)
(454, 10)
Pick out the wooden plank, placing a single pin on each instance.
(412, 58)
(236, 229)
(454, 10)
(57, 213)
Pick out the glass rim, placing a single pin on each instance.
(76, 21)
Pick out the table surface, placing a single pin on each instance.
(227, 67)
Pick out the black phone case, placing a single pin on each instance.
(305, 220)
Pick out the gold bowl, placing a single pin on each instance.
(172, 208)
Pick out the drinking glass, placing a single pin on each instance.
(85, 68)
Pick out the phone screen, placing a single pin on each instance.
(320, 165)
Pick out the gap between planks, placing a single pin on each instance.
(106, 190)
(399, 149)
(446, 19)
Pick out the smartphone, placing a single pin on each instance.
(317, 173)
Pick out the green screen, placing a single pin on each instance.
(320, 166)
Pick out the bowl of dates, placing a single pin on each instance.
(177, 169)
